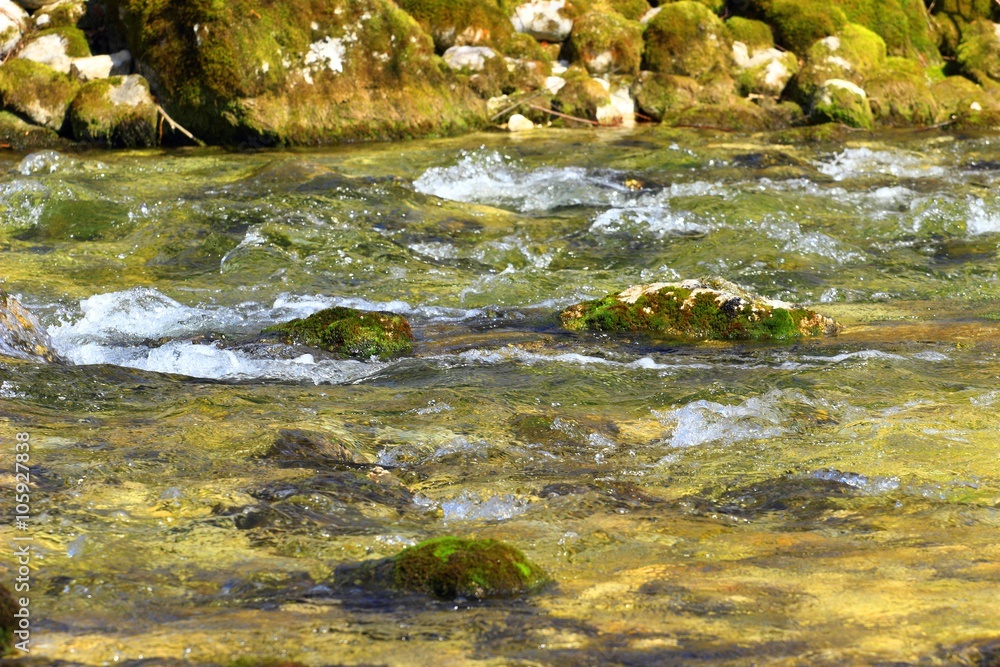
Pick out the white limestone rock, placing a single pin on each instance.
(518, 123)
(470, 58)
(101, 67)
(543, 20)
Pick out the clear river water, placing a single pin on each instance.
(828, 502)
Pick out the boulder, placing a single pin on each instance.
(118, 111)
(965, 102)
(21, 334)
(62, 13)
(841, 101)
(37, 91)
(798, 24)
(297, 448)
(703, 309)
(851, 55)
(451, 567)
(607, 42)
(582, 95)
(460, 22)
(101, 67)
(979, 51)
(56, 48)
(904, 25)
(24, 136)
(350, 333)
(763, 71)
(546, 20)
(469, 58)
(658, 95)
(952, 17)
(13, 21)
(756, 35)
(631, 9)
(900, 95)
(620, 109)
(687, 39)
(251, 73)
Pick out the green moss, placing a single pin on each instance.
(597, 35)
(979, 51)
(350, 332)
(76, 41)
(798, 25)
(852, 55)
(657, 95)
(22, 136)
(65, 14)
(900, 95)
(460, 22)
(715, 6)
(7, 610)
(524, 47)
(709, 309)
(838, 102)
(687, 39)
(903, 24)
(450, 567)
(969, 10)
(965, 103)
(631, 9)
(581, 96)
(95, 117)
(36, 91)
(755, 34)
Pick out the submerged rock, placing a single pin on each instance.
(450, 567)
(298, 448)
(705, 309)
(350, 332)
(21, 334)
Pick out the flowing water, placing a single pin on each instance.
(833, 501)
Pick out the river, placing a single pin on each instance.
(832, 501)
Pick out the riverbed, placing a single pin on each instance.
(830, 501)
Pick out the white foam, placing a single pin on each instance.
(703, 421)
(868, 484)
(979, 220)
(470, 507)
(511, 353)
(855, 162)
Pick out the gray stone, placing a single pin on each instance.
(101, 67)
(48, 50)
(13, 21)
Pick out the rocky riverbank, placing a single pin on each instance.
(304, 72)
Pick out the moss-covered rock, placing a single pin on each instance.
(965, 102)
(350, 333)
(903, 24)
(658, 95)
(61, 14)
(734, 115)
(841, 101)
(687, 39)
(631, 9)
(755, 34)
(7, 621)
(607, 42)
(460, 22)
(36, 91)
(242, 71)
(705, 309)
(22, 136)
(764, 71)
(55, 47)
(118, 111)
(798, 25)
(581, 96)
(852, 55)
(450, 567)
(900, 95)
(979, 51)
(545, 20)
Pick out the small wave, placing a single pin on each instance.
(703, 421)
(470, 507)
(873, 485)
(855, 162)
(512, 353)
(979, 220)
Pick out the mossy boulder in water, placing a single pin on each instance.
(350, 333)
(450, 567)
(798, 24)
(21, 334)
(658, 95)
(965, 102)
(607, 42)
(705, 309)
(22, 136)
(900, 95)
(296, 72)
(852, 54)
(841, 101)
(688, 39)
(36, 91)
(118, 111)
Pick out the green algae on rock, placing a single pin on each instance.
(350, 332)
(899, 94)
(37, 91)
(450, 567)
(117, 111)
(688, 39)
(841, 101)
(979, 51)
(701, 309)
(903, 24)
(798, 25)
(460, 22)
